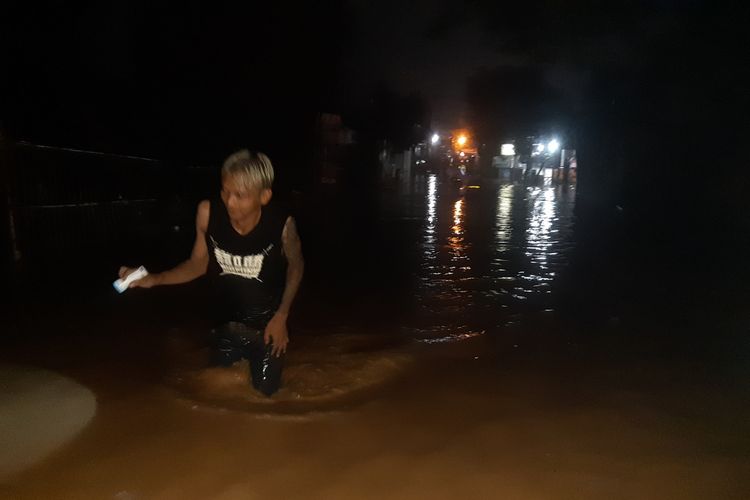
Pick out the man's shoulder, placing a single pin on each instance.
(277, 214)
(203, 214)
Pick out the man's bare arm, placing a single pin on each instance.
(197, 264)
(188, 270)
(292, 248)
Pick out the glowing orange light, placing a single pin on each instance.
(458, 216)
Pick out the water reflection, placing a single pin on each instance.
(540, 225)
(430, 236)
(456, 239)
(503, 223)
(487, 259)
(429, 240)
(457, 216)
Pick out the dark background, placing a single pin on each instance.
(653, 95)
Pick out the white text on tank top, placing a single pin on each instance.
(246, 266)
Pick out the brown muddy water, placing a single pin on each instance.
(484, 343)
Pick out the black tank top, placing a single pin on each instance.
(247, 274)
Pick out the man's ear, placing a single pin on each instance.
(265, 196)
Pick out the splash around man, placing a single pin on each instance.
(252, 256)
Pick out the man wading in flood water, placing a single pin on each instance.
(252, 255)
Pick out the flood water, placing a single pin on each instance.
(491, 341)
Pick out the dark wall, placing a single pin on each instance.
(189, 82)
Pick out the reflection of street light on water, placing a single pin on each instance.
(458, 212)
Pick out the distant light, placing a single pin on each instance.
(540, 148)
(508, 150)
(553, 146)
(435, 138)
(462, 154)
(473, 187)
(461, 140)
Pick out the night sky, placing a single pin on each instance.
(188, 82)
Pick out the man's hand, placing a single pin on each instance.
(146, 282)
(277, 333)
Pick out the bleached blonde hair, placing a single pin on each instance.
(252, 168)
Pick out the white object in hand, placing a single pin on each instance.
(123, 284)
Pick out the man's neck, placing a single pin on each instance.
(247, 224)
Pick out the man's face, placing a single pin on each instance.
(242, 201)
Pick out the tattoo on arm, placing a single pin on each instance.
(292, 248)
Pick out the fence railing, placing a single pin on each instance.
(69, 207)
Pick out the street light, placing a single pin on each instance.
(435, 139)
(553, 146)
(461, 140)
